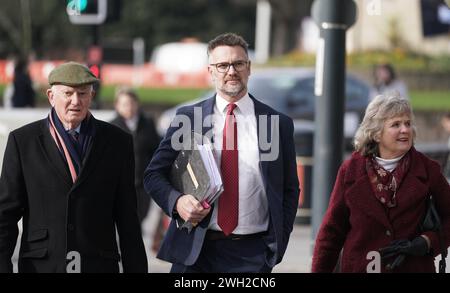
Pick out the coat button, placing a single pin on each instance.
(70, 227)
(388, 233)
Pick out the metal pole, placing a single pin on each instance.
(138, 51)
(262, 42)
(333, 18)
(26, 27)
(138, 60)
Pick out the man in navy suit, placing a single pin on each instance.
(247, 229)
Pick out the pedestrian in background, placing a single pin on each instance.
(133, 120)
(380, 198)
(23, 92)
(386, 81)
(445, 122)
(70, 178)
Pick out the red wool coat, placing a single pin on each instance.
(358, 223)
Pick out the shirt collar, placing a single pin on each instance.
(244, 104)
(77, 129)
(132, 122)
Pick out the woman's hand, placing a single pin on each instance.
(401, 248)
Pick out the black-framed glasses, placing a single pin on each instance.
(223, 67)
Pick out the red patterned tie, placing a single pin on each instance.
(227, 218)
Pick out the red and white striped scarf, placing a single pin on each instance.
(62, 146)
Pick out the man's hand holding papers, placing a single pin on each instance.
(195, 174)
(191, 210)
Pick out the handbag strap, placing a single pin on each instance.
(438, 230)
(444, 252)
(443, 248)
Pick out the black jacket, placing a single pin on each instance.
(59, 216)
(145, 142)
(23, 95)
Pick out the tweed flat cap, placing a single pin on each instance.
(71, 74)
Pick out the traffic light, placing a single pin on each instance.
(89, 6)
(87, 11)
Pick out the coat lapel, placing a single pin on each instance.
(414, 189)
(55, 159)
(207, 112)
(360, 195)
(259, 111)
(51, 152)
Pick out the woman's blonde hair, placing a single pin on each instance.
(380, 109)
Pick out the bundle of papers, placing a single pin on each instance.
(195, 172)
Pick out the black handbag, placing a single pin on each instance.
(432, 222)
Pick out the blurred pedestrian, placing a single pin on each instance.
(380, 199)
(23, 91)
(248, 228)
(7, 95)
(386, 81)
(132, 119)
(70, 178)
(445, 122)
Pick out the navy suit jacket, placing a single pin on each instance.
(279, 177)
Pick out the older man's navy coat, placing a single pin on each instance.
(279, 177)
(357, 222)
(59, 216)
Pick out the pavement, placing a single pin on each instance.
(297, 258)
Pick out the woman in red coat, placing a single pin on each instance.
(380, 198)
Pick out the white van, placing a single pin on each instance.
(180, 57)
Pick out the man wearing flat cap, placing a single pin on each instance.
(70, 178)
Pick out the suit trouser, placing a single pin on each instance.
(229, 256)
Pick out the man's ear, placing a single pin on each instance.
(211, 73)
(50, 96)
(92, 98)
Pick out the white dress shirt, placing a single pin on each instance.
(132, 123)
(253, 205)
(77, 129)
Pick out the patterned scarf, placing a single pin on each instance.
(73, 151)
(384, 183)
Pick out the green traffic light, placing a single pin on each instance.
(83, 4)
(77, 5)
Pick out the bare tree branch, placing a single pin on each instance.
(11, 31)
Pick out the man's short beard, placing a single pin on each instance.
(234, 93)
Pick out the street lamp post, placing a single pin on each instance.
(333, 17)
